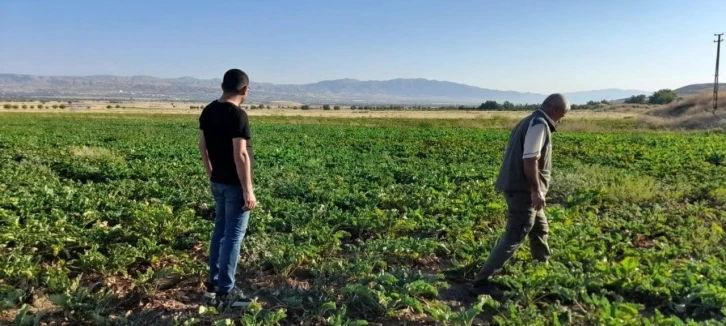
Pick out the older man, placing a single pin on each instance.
(524, 178)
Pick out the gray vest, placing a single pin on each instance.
(511, 175)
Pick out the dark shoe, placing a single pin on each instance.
(485, 288)
(234, 299)
(210, 287)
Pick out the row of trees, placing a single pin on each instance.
(509, 106)
(326, 107)
(39, 106)
(663, 96)
(252, 107)
(486, 106)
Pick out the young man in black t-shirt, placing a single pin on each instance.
(225, 143)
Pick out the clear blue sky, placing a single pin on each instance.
(538, 46)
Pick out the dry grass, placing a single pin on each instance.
(613, 185)
(692, 112)
(629, 108)
(96, 154)
(691, 104)
(417, 115)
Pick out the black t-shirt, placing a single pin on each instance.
(221, 122)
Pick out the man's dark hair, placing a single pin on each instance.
(234, 80)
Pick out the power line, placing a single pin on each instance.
(715, 83)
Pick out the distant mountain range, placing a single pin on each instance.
(343, 91)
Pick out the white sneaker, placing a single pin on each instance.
(210, 298)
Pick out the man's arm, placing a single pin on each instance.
(533, 141)
(531, 170)
(205, 155)
(244, 171)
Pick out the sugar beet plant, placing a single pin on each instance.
(106, 218)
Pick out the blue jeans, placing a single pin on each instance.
(230, 225)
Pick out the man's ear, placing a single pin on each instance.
(244, 90)
(561, 114)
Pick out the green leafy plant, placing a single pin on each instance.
(358, 220)
(255, 316)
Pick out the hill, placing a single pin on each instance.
(691, 112)
(697, 89)
(350, 91)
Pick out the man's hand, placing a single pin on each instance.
(250, 200)
(538, 202)
(243, 165)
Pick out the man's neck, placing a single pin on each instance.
(234, 99)
(547, 116)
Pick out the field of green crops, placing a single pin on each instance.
(104, 220)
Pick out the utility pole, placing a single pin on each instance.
(715, 82)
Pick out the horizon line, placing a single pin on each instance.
(347, 78)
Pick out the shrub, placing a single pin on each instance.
(636, 99)
(490, 106)
(663, 96)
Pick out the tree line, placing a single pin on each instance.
(663, 96)
(39, 106)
